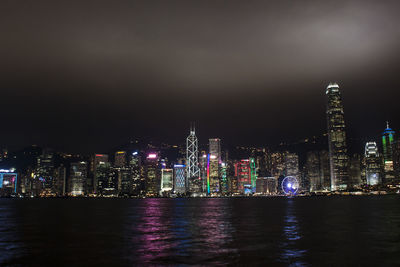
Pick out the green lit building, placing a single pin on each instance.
(387, 145)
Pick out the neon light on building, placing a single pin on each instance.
(253, 174)
(208, 174)
(152, 156)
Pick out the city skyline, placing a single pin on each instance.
(199, 133)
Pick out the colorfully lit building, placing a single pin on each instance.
(203, 171)
(213, 174)
(245, 173)
(8, 182)
(339, 161)
(387, 144)
(373, 170)
(213, 166)
(77, 178)
(180, 178)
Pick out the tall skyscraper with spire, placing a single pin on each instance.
(337, 139)
(192, 161)
(387, 144)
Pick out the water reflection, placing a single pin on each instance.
(215, 224)
(182, 231)
(291, 253)
(152, 233)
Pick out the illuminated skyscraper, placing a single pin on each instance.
(107, 179)
(152, 175)
(167, 177)
(242, 174)
(192, 162)
(78, 176)
(387, 144)
(138, 180)
(372, 164)
(215, 148)
(45, 170)
(97, 160)
(179, 178)
(336, 139)
(214, 165)
(120, 159)
(203, 171)
(124, 181)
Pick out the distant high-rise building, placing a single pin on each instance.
(266, 185)
(245, 172)
(317, 171)
(192, 162)
(337, 139)
(120, 159)
(242, 174)
(224, 178)
(313, 171)
(215, 148)
(203, 170)
(355, 171)
(77, 178)
(167, 180)
(152, 174)
(60, 181)
(179, 178)
(45, 170)
(138, 180)
(396, 161)
(124, 181)
(214, 165)
(96, 161)
(387, 144)
(107, 179)
(291, 164)
(277, 164)
(372, 164)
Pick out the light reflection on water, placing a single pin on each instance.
(176, 233)
(291, 253)
(317, 231)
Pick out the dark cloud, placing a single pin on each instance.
(249, 72)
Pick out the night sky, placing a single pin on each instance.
(90, 75)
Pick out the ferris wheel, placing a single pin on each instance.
(290, 185)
